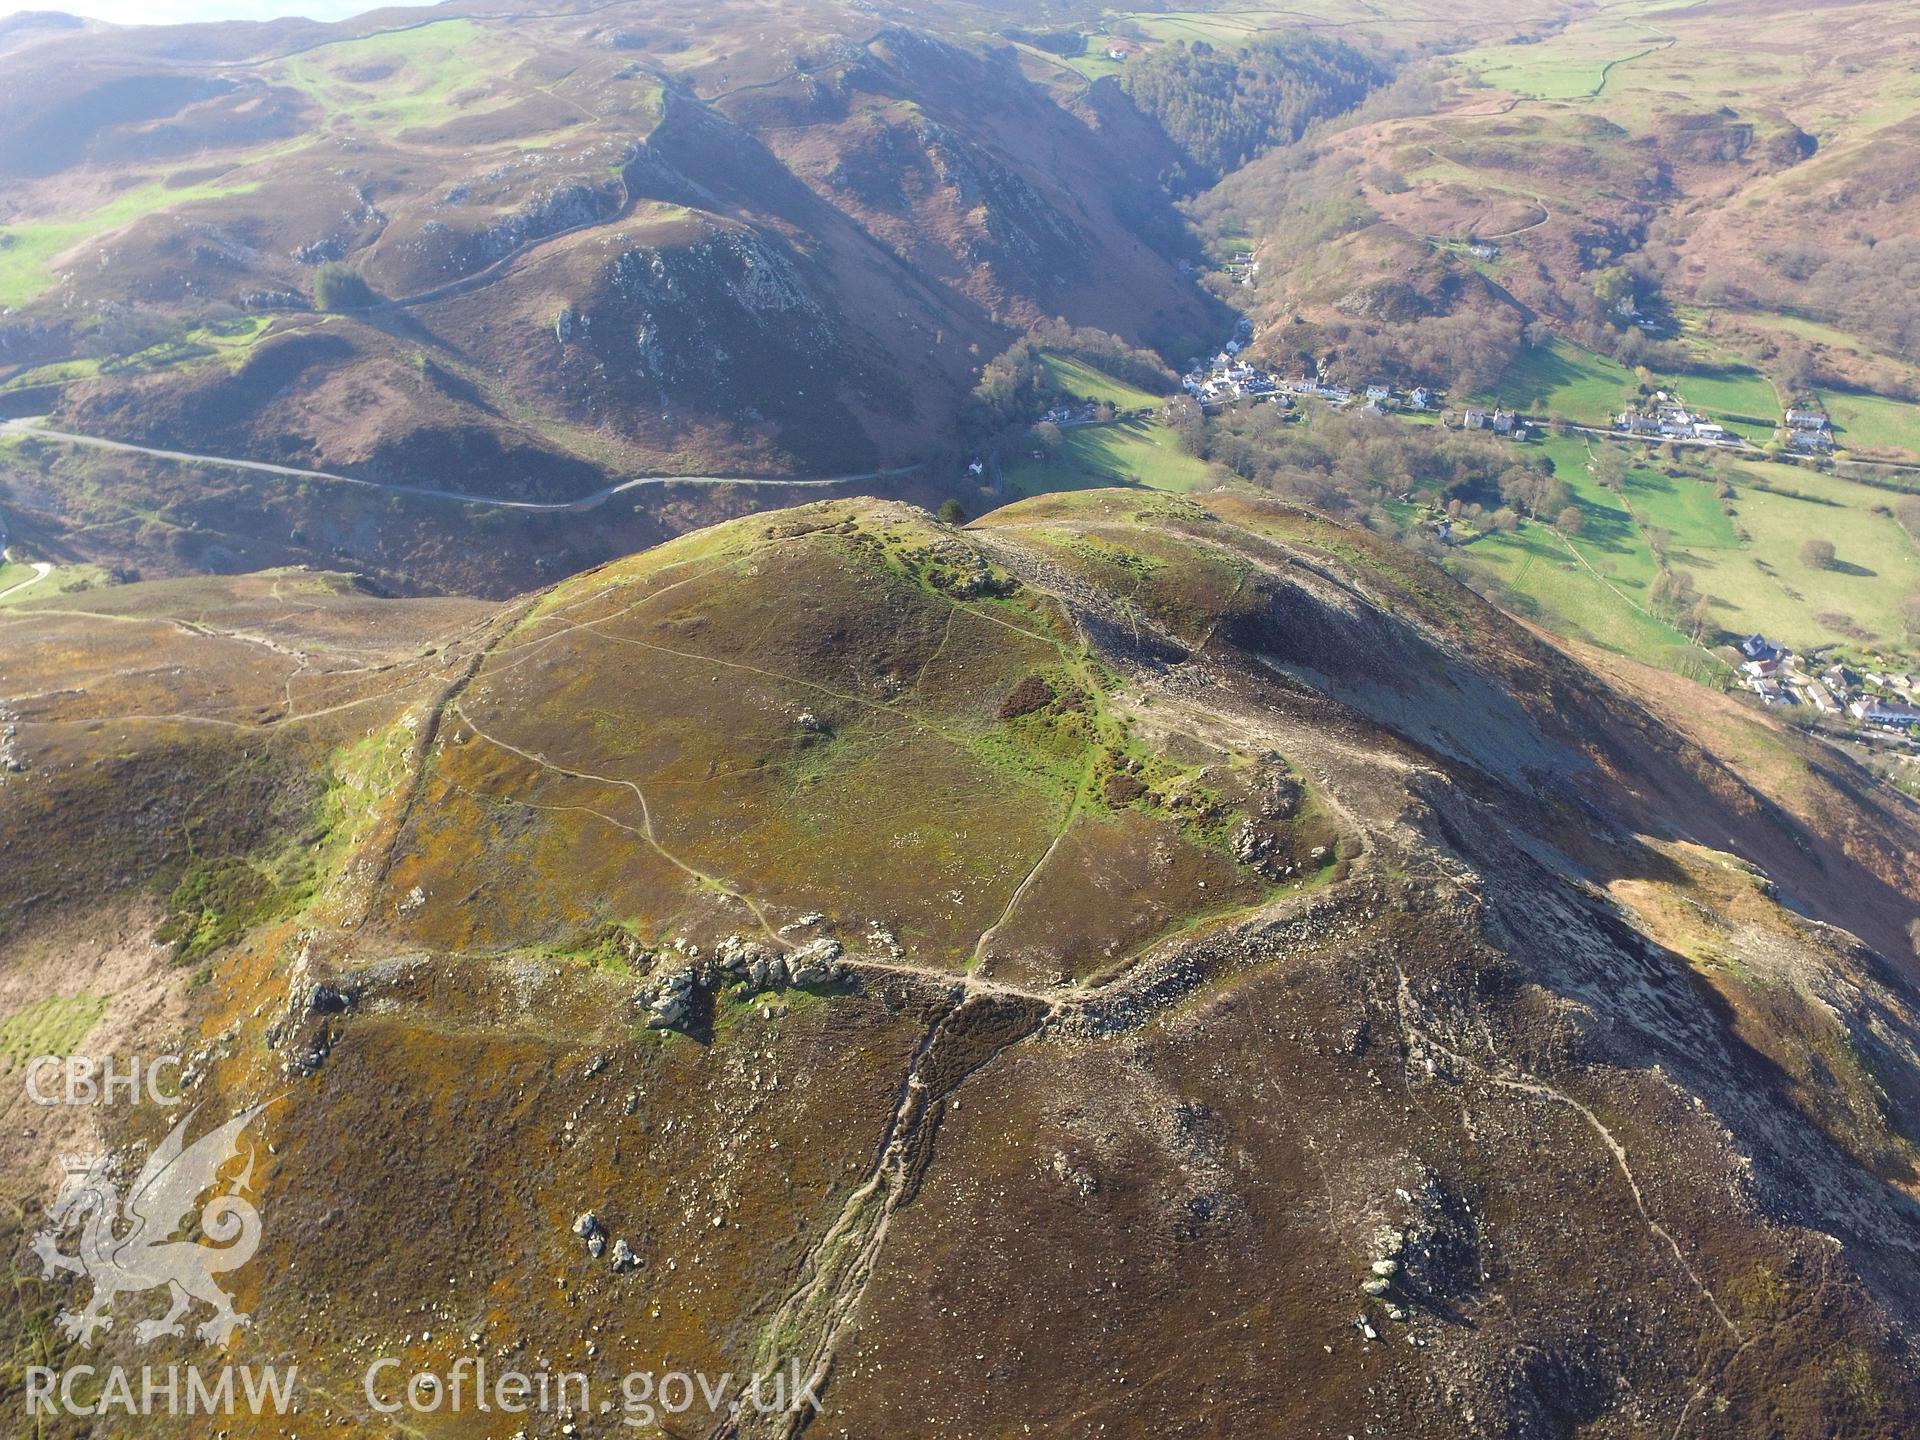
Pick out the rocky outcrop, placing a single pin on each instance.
(732, 322)
(672, 995)
(552, 211)
(668, 999)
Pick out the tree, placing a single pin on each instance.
(1505, 521)
(1817, 554)
(951, 513)
(1612, 285)
(1907, 511)
(1702, 616)
(1795, 371)
(1188, 423)
(1049, 435)
(337, 286)
(1673, 594)
(1569, 520)
(1532, 491)
(1223, 107)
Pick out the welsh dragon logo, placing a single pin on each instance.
(128, 1245)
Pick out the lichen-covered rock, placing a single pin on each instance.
(668, 998)
(817, 963)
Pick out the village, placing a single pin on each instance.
(1667, 418)
(1230, 377)
(1880, 704)
(1879, 700)
(1808, 430)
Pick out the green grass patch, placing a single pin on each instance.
(1542, 72)
(28, 250)
(1093, 64)
(61, 372)
(1560, 378)
(1873, 422)
(227, 341)
(1232, 31)
(412, 78)
(67, 579)
(1611, 543)
(1538, 577)
(1737, 396)
(1686, 508)
(1764, 585)
(1083, 381)
(216, 902)
(1130, 452)
(53, 1026)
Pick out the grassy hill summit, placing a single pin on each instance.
(835, 936)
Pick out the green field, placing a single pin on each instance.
(1091, 62)
(1082, 381)
(11, 575)
(1132, 452)
(1562, 379)
(408, 79)
(1597, 587)
(1233, 29)
(1582, 61)
(1609, 541)
(1687, 509)
(28, 250)
(1737, 396)
(61, 372)
(227, 341)
(1541, 72)
(1765, 585)
(53, 1026)
(1873, 422)
(1548, 583)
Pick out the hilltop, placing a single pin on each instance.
(966, 958)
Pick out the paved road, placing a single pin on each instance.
(41, 569)
(429, 492)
